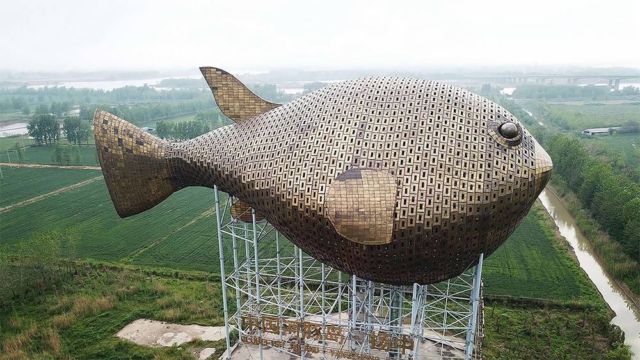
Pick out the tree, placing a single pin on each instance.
(76, 130)
(485, 89)
(58, 154)
(189, 129)
(594, 175)
(52, 130)
(44, 129)
(84, 132)
(71, 127)
(60, 109)
(569, 158)
(42, 109)
(164, 129)
(183, 130)
(86, 112)
(632, 238)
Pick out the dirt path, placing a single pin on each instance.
(49, 194)
(43, 166)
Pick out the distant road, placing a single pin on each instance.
(50, 166)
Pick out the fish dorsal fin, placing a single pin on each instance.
(360, 204)
(235, 100)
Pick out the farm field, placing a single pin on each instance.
(580, 117)
(192, 247)
(10, 142)
(18, 184)
(90, 228)
(534, 264)
(70, 155)
(627, 145)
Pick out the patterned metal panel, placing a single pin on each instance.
(232, 97)
(439, 178)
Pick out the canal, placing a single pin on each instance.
(627, 316)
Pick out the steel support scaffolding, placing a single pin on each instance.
(285, 303)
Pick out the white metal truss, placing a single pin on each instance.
(285, 302)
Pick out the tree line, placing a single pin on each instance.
(45, 129)
(45, 126)
(16, 99)
(146, 113)
(202, 123)
(612, 199)
(590, 92)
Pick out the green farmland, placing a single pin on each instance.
(7, 143)
(627, 146)
(532, 263)
(18, 184)
(590, 115)
(83, 155)
(90, 226)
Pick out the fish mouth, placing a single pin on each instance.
(543, 167)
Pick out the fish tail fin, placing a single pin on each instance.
(134, 163)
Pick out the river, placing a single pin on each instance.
(627, 318)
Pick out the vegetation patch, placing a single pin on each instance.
(528, 331)
(80, 317)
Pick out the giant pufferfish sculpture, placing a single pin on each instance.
(396, 180)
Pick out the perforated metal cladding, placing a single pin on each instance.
(461, 189)
(232, 97)
(360, 204)
(134, 164)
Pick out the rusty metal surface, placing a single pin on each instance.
(242, 211)
(436, 182)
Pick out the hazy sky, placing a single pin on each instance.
(83, 35)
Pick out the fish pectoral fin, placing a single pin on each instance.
(234, 99)
(360, 204)
(240, 210)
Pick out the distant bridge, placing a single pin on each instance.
(613, 80)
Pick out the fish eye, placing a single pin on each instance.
(508, 130)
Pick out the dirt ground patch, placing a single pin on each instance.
(159, 333)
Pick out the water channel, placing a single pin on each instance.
(627, 316)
